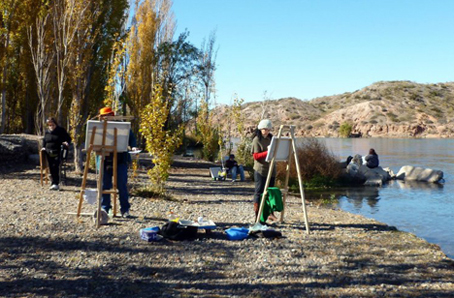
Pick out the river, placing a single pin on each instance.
(424, 209)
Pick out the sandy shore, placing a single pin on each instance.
(46, 252)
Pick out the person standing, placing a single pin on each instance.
(260, 145)
(372, 159)
(54, 138)
(123, 160)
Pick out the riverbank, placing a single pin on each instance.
(45, 251)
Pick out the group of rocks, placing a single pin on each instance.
(357, 171)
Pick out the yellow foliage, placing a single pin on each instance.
(160, 143)
(207, 133)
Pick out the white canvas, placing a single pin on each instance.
(123, 129)
(283, 151)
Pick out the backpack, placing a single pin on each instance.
(174, 231)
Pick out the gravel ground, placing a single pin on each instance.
(46, 252)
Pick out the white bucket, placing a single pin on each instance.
(90, 195)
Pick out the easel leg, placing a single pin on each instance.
(41, 166)
(99, 199)
(115, 171)
(84, 181)
(300, 182)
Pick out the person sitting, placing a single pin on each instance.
(372, 159)
(234, 168)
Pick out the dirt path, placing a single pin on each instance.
(45, 252)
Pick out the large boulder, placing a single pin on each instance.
(17, 148)
(376, 176)
(411, 173)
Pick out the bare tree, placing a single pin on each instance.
(208, 65)
(42, 58)
(264, 105)
(67, 17)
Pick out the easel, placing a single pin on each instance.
(102, 150)
(290, 156)
(44, 167)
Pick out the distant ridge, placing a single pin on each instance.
(396, 109)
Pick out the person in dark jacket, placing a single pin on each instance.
(372, 159)
(234, 168)
(123, 160)
(53, 140)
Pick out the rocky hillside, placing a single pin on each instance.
(399, 109)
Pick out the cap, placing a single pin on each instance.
(106, 111)
(265, 123)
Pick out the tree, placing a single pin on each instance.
(152, 24)
(42, 57)
(67, 16)
(8, 9)
(207, 133)
(207, 65)
(177, 62)
(159, 142)
(93, 47)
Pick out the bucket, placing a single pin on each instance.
(90, 195)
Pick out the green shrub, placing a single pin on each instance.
(345, 130)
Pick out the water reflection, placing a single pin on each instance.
(417, 185)
(357, 196)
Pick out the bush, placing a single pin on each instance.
(345, 130)
(318, 166)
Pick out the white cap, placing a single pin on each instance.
(265, 123)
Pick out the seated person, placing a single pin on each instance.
(234, 168)
(372, 159)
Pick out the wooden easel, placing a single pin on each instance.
(102, 150)
(44, 167)
(291, 155)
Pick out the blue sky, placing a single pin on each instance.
(307, 49)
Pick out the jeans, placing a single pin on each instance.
(260, 182)
(238, 169)
(122, 185)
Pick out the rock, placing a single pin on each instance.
(390, 173)
(375, 176)
(17, 148)
(419, 174)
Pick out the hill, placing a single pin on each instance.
(399, 109)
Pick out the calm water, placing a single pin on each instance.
(424, 209)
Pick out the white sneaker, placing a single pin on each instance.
(54, 187)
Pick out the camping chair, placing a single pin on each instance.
(63, 160)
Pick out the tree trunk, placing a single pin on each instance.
(78, 159)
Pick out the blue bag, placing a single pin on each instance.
(237, 233)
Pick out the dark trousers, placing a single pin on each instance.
(260, 182)
(122, 185)
(54, 167)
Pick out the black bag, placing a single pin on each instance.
(174, 231)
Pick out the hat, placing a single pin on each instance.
(106, 111)
(265, 123)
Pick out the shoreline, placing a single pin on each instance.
(46, 252)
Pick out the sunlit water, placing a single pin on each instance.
(425, 209)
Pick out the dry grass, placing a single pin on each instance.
(315, 161)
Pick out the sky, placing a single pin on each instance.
(272, 49)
